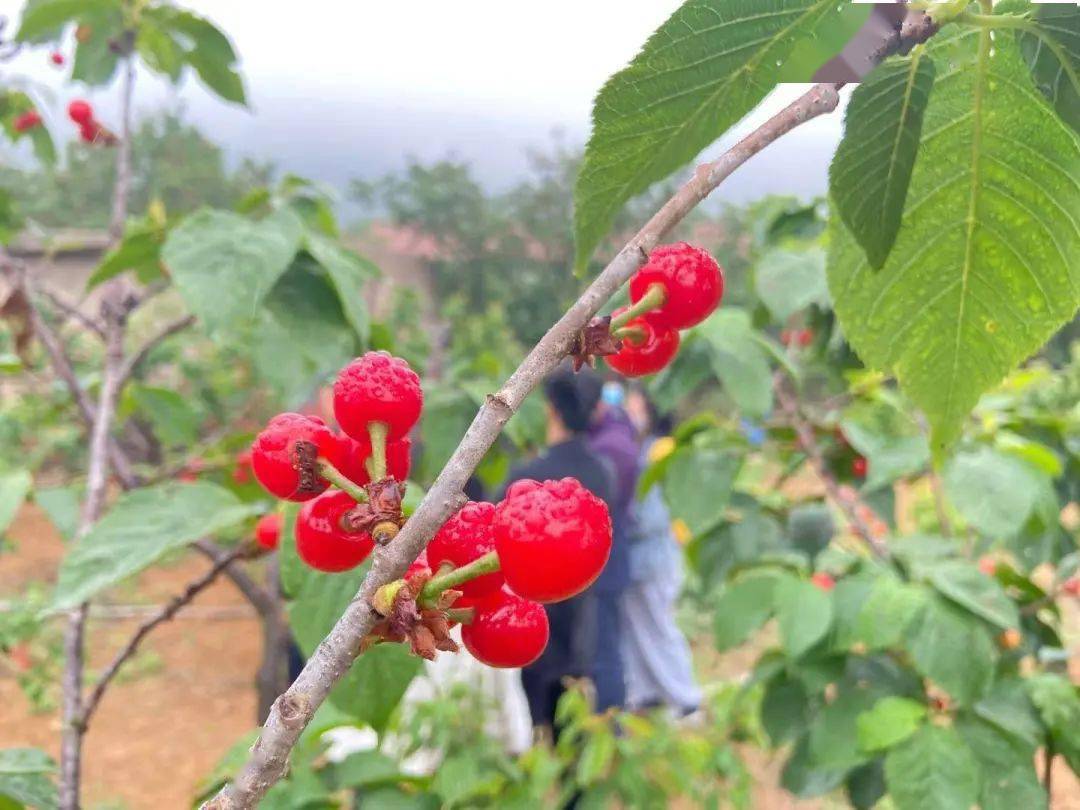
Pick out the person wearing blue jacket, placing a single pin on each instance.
(659, 669)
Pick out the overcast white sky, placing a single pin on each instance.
(361, 84)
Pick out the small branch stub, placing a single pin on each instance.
(381, 515)
(594, 340)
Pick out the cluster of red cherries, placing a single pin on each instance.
(490, 566)
(90, 129)
(678, 287)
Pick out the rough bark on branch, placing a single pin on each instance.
(330, 661)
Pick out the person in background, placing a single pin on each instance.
(659, 669)
(571, 401)
(613, 437)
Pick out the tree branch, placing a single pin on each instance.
(848, 503)
(332, 659)
(165, 613)
(122, 186)
(73, 312)
(167, 331)
(97, 477)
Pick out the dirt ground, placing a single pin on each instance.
(190, 695)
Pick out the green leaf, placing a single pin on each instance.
(365, 769)
(220, 77)
(174, 419)
(698, 484)
(968, 587)
(865, 786)
(739, 360)
(784, 709)
(14, 487)
(834, 738)
(889, 439)
(1009, 780)
(224, 264)
(62, 505)
(1051, 48)
(804, 613)
(26, 778)
(1008, 706)
(869, 176)
(891, 721)
(349, 272)
(889, 609)
(995, 492)
(140, 251)
(743, 607)
(1059, 704)
(596, 757)
(42, 19)
(933, 769)
(788, 281)
(209, 51)
(804, 778)
(159, 50)
(95, 60)
(953, 649)
(987, 264)
(707, 66)
(302, 337)
(140, 528)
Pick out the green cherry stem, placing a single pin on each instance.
(338, 479)
(461, 615)
(487, 564)
(634, 334)
(654, 298)
(377, 463)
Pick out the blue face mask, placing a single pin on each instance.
(614, 394)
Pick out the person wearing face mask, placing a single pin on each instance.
(656, 655)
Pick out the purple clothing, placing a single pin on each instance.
(614, 440)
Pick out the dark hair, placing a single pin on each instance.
(573, 395)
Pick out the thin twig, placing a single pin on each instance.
(163, 615)
(848, 503)
(114, 317)
(332, 659)
(942, 509)
(73, 312)
(167, 331)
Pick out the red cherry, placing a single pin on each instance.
(192, 470)
(988, 566)
(553, 538)
(419, 565)
(27, 121)
(81, 112)
(56, 58)
(823, 581)
(647, 354)
(241, 473)
(805, 337)
(268, 531)
(691, 278)
(506, 630)
(89, 131)
(277, 463)
(466, 536)
(1071, 587)
(377, 387)
(353, 455)
(785, 337)
(321, 542)
(859, 466)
